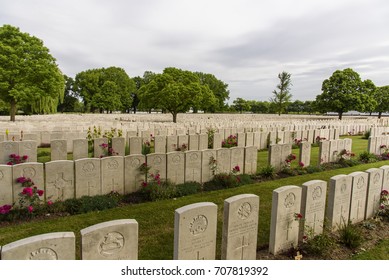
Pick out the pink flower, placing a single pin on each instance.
(384, 192)
(24, 157)
(40, 192)
(301, 164)
(10, 163)
(30, 208)
(5, 209)
(144, 184)
(28, 191)
(21, 180)
(237, 168)
(49, 202)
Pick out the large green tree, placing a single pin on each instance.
(218, 88)
(175, 91)
(282, 97)
(29, 75)
(70, 100)
(241, 105)
(105, 85)
(381, 96)
(345, 91)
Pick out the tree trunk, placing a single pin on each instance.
(174, 117)
(379, 114)
(340, 115)
(12, 111)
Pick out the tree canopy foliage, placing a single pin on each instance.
(345, 91)
(381, 96)
(282, 97)
(29, 76)
(176, 91)
(108, 89)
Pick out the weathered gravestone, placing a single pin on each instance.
(135, 145)
(171, 143)
(305, 153)
(313, 202)
(160, 144)
(223, 156)
(133, 177)
(175, 170)
(203, 141)
(240, 227)
(195, 231)
(333, 151)
(324, 152)
(8, 148)
(59, 180)
(112, 175)
(385, 179)
(80, 149)
(157, 164)
(237, 159)
(208, 157)
(194, 142)
(374, 187)
(49, 246)
(113, 240)
(119, 146)
(33, 171)
(193, 166)
(275, 156)
(58, 150)
(358, 196)
(100, 147)
(284, 228)
(250, 160)
(29, 148)
(338, 206)
(217, 141)
(87, 177)
(6, 197)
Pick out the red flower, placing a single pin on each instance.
(25, 157)
(237, 168)
(28, 191)
(301, 164)
(49, 202)
(21, 180)
(40, 192)
(30, 208)
(384, 192)
(10, 163)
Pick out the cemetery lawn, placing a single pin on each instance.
(156, 221)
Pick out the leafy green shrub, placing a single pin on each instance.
(222, 181)
(350, 235)
(43, 153)
(90, 203)
(187, 188)
(367, 157)
(366, 135)
(319, 245)
(157, 190)
(313, 168)
(267, 172)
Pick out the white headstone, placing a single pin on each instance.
(119, 146)
(338, 206)
(206, 166)
(29, 148)
(80, 149)
(112, 175)
(113, 240)
(313, 203)
(87, 177)
(374, 188)
(34, 171)
(237, 158)
(135, 145)
(160, 144)
(49, 246)
(193, 166)
(284, 229)
(157, 164)
(6, 197)
(175, 171)
(240, 227)
(251, 160)
(132, 175)
(385, 180)
(305, 153)
(59, 180)
(98, 147)
(223, 156)
(358, 196)
(195, 232)
(58, 150)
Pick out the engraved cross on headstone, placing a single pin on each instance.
(113, 186)
(243, 246)
(91, 186)
(60, 184)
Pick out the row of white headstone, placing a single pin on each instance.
(195, 228)
(378, 144)
(65, 179)
(351, 198)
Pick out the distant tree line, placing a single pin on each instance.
(31, 82)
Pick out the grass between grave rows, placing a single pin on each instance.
(156, 219)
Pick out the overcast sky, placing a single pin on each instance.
(244, 43)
